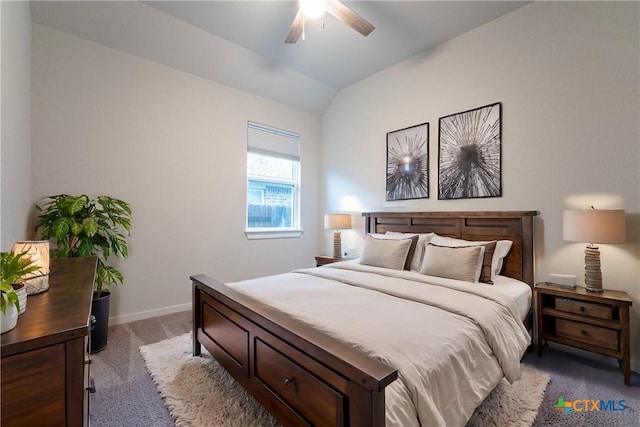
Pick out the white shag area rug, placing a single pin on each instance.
(198, 392)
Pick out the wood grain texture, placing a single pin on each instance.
(33, 387)
(516, 226)
(595, 322)
(296, 28)
(349, 17)
(43, 368)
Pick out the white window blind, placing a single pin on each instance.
(274, 142)
(273, 183)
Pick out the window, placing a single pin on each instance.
(273, 181)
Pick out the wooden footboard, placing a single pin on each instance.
(303, 377)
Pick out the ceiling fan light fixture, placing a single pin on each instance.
(312, 9)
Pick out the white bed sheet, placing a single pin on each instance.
(517, 291)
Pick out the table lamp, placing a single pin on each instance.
(38, 252)
(337, 222)
(593, 226)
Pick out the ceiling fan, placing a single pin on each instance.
(311, 9)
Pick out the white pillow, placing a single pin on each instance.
(387, 253)
(502, 249)
(418, 255)
(460, 263)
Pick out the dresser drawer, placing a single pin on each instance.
(33, 387)
(297, 386)
(590, 309)
(589, 334)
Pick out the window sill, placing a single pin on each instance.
(272, 234)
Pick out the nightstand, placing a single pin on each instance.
(596, 322)
(325, 259)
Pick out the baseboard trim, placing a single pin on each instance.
(116, 320)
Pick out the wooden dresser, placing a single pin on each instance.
(45, 370)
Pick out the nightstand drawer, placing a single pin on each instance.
(599, 311)
(590, 334)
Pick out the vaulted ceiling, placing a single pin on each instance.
(241, 43)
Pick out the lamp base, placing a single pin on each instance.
(592, 272)
(37, 284)
(337, 245)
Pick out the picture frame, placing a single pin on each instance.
(470, 153)
(408, 163)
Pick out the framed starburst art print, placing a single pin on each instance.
(408, 163)
(470, 154)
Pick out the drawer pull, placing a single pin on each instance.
(287, 382)
(583, 332)
(92, 386)
(582, 308)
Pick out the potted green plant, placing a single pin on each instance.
(81, 226)
(12, 268)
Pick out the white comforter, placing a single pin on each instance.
(451, 341)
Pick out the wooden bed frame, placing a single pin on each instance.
(304, 377)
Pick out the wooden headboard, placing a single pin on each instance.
(516, 226)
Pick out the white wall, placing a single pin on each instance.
(15, 134)
(567, 75)
(174, 146)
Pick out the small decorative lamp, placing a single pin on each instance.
(38, 251)
(593, 226)
(337, 222)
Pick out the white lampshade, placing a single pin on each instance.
(337, 221)
(38, 251)
(594, 226)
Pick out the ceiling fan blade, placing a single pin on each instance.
(296, 28)
(349, 17)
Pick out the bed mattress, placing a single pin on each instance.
(518, 292)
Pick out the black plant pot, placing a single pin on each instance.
(100, 312)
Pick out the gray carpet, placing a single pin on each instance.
(126, 395)
(575, 378)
